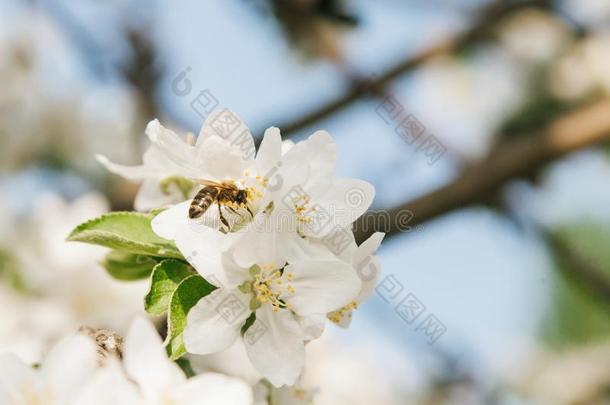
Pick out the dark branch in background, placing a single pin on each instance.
(577, 267)
(522, 157)
(143, 72)
(488, 17)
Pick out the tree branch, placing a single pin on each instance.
(488, 17)
(524, 156)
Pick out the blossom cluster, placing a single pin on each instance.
(250, 247)
(79, 372)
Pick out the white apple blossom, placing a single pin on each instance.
(281, 266)
(64, 285)
(224, 151)
(59, 380)
(148, 377)
(289, 294)
(295, 184)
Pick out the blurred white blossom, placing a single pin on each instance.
(584, 69)
(59, 380)
(64, 284)
(146, 376)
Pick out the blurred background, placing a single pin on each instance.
(488, 122)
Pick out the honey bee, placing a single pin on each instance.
(225, 193)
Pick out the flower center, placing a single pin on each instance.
(182, 184)
(305, 213)
(338, 315)
(255, 186)
(268, 284)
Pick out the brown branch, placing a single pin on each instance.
(488, 17)
(524, 156)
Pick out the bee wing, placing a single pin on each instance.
(211, 183)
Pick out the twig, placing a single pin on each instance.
(524, 156)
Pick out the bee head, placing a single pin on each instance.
(241, 197)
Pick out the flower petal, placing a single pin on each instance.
(320, 286)
(312, 325)
(16, 379)
(367, 265)
(233, 361)
(69, 365)
(278, 352)
(213, 388)
(109, 385)
(221, 160)
(215, 321)
(369, 272)
(368, 247)
(146, 362)
(202, 247)
(169, 222)
(319, 152)
(267, 239)
(150, 196)
(345, 201)
(227, 126)
(133, 173)
(269, 152)
(178, 152)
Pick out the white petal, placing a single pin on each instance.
(213, 388)
(340, 242)
(267, 239)
(178, 152)
(345, 201)
(146, 361)
(202, 247)
(221, 160)
(109, 385)
(169, 222)
(150, 196)
(369, 272)
(368, 247)
(134, 173)
(233, 361)
(319, 153)
(69, 365)
(312, 325)
(269, 153)
(287, 145)
(346, 318)
(367, 265)
(215, 321)
(321, 286)
(226, 125)
(16, 380)
(278, 351)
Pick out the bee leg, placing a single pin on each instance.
(249, 211)
(222, 218)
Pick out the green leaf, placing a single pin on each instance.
(127, 231)
(128, 266)
(166, 276)
(188, 293)
(10, 271)
(579, 315)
